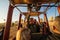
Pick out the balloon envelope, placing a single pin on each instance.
(58, 9)
(22, 1)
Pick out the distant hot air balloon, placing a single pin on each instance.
(4, 19)
(58, 9)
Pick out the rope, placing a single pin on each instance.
(47, 8)
(55, 11)
(15, 6)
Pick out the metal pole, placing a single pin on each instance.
(39, 19)
(25, 19)
(8, 23)
(19, 21)
(29, 8)
(47, 24)
(46, 20)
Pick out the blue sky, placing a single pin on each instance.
(4, 4)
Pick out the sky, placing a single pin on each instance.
(4, 5)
